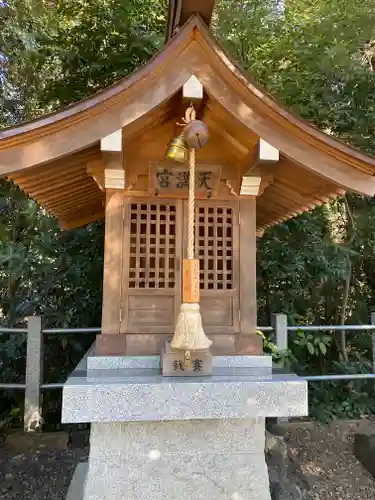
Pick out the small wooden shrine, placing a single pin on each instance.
(105, 157)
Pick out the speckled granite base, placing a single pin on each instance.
(200, 460)
(143, 394)
(77, 485)
(168, 438)
(153, 397)
(121, 362)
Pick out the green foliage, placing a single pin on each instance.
(57, 52)
(341, 399)
(317, 57)
(316, 344)
(283, 358)
(309, 354)
(54, 53)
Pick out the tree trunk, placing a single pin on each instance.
(344, 307)
(347, 282)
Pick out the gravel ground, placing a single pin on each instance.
(40, 467)
(324, 453)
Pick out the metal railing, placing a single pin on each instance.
(34, 385)
(281, 329)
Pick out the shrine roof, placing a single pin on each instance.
(48, 157)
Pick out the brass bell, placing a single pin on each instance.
(177, 149)
(196, 134)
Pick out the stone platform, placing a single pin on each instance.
(155, 437)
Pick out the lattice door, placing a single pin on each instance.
(216, 243)
(153, 282)
(152, 246)
(156, 237)
(214, 247)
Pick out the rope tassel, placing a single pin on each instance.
(189, 334)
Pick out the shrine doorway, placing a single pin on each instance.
(155, 235)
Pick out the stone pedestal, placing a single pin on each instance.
(169, 438)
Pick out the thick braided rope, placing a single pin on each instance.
(191, 221)
(191, 211)
(189, 116)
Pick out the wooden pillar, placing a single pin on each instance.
(248, 342)
(111, 341)
(112, 275)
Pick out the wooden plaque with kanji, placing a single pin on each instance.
(167, 178)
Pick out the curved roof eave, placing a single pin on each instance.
(304, 143)
(277, 109)
(85, 122)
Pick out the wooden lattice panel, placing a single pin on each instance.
(152, 246)
(214, 247)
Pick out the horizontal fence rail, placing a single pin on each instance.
(34, 333)
(34, 385)
(12, 330)
(325, 378)
(60, 331)
(334, 328)
(13, 386)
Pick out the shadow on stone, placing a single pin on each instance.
(287, 481)
(364, 447)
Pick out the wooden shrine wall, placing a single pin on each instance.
(145, 243)
(156, 240)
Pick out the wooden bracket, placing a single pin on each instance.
(112, 142)
(267, 153)
(108, 171)
(114, 178)
(95, 169)
(104, 173)
(256, 180)
(250, 185)
(262, 155)
(192, 90)
(266, 181)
